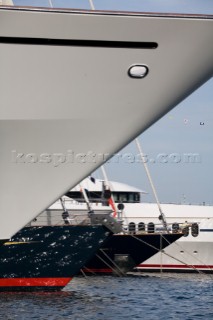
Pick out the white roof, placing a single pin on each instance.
(98, 183)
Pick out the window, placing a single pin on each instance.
(151, 227)
(123, 197)
(137, 197)
(132, 227)
(195, 229)
(131, 197)
(115, 197)
(141, 226)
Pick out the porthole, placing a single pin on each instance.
(141, 226)
(195, 229)
(151, 227)
(132, 227)
(138, 71)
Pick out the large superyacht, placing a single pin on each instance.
(76, 86)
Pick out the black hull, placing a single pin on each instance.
(122, 253)
(46, 258)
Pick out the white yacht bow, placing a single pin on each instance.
(77, 86)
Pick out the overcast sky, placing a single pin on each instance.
(188, 129)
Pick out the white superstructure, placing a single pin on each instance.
(193, 252)
(75, 88)
(6, 3)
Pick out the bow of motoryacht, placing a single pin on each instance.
(75, 88)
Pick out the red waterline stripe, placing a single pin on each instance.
(34, 282)
(176, 266)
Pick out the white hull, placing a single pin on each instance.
(185, 255)
(182, 256)
(61, 100)
(188, 254)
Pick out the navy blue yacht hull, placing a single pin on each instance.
(122, 253)
(46, 258)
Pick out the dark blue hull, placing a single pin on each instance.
(46, 258)
(122, 253)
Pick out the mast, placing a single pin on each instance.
(162, 215)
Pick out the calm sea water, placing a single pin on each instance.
(185, 297)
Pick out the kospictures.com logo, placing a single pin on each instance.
(59, 158)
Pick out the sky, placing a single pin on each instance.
(186, 130)
(183, 6)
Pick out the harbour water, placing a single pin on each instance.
(151, 296)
